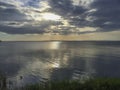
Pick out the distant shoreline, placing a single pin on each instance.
(60, 41)
(66, 41)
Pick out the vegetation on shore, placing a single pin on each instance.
(92, 84)
(3, 84)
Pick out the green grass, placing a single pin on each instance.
(94, 84)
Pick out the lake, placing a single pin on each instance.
(33, 62)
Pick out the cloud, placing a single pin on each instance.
(9, 12)
(66, 8)
(26, 27)
(17, 19)
(107, 14)
(5, 5)
(103, 14)
(75, 16)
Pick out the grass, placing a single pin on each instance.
(3, 84)
(92, 84)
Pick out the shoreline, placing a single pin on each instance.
(90, 84)
(60, 41)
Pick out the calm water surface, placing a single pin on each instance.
(31, 62)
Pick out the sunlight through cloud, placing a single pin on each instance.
(51, 16)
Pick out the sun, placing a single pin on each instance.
(51, 16)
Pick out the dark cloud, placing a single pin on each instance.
(9, 12)
(15, 28)
(73, 13)
(33, 3)
(107, 14)
(61, 6)
(5, 4)
(20, 30)
(65, 8)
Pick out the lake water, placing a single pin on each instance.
(32, 62)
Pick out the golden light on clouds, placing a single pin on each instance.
(87, 29)
(88, 36)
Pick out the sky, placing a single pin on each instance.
(36, 20)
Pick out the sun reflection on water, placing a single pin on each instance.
(55, 65)
(54, 45)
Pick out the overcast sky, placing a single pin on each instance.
(51, 19)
